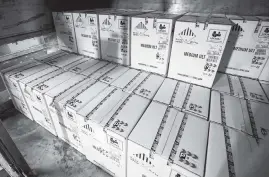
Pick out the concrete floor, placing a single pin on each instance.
(47, 155)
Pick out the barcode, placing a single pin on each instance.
(260, 52)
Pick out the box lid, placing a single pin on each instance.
(180, 151)
(89, 71)
(83, 66)
(258, 115)
(219, 20)
(29, 71)
(17, 68)
(228, 152)
(250, 18)
(86, 95)
(97, 109)
(69, 98)
(230, 111)
(99, 73)
(263, 18)
(61, 88)
(126, 78)
(234, 17)
(131, 86)
(149, 87)
(49, 83)
(37, 75)
(127, 115)
(63, 60)
(252, 90)
(157, 121)
(114, 74)
(158, 15)
(166, 91)
(75, 63)
(51, 55)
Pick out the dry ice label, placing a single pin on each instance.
(216, 36)
(141, 28)
(186, 36)
(89, 129)
(122, 24)
(264, 32)
(115, 142)
(145, 161)
(237, 30)
(163, 28)
(106, 24)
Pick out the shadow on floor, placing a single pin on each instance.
(47, 155)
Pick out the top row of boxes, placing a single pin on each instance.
(190, 47)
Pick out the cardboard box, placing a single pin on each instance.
(115, 30)
(149, 86)
(114, 74)
(51, 97)
(184, 97)
(252, 90)
(64, 60)
(83, 66)
(91, 70)
(229, 152)
(15, 78)
(38, 89)
(134, 83)
(264, 77)
(68, 124)
(50, 56)
(126, 78)
(110, 118)
(228, 84)
(230, 111)
(247, 49)
(197, 48)
(166, 149)
(29, 100)
(87, 33)
(151, 41)
(64, 25)
(266, 89)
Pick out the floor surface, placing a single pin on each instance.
(47, 155)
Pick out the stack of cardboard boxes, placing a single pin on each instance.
(114, 103)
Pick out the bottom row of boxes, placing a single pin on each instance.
(119, 128)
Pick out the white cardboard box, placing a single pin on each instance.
(50, 56)
(87, 33)
(29, 100)
(83, 66)
(18, 92)
(69, 124)
(244, 115)
(151, 41)
(252, 90)
(110, 118)
(114, 74)
(64, 60)
(126, 78)
(266, 89)
(132, 85)
(230, 111)
(229, 152)
(165, 149)
(95, 68)
(149, 86)
(247, 48)
(184, 97)
(39, 89)
(51, 98)
(64, 26)
(228, 84)
(115, 30)
(264, 77)
(96, 72)
(197, 49)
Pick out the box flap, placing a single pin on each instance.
(149, 86)
(94, 68)
(83, 66)
(114, 74)
(131, 86)
(99, 73)
(125, 78)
